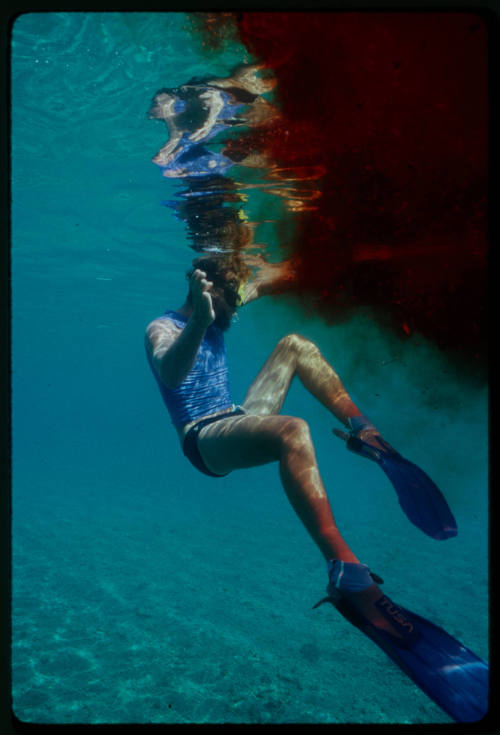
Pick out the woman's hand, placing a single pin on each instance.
(268, 277)
(203, 310)
(265, 271)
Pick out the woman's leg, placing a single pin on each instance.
(250, 440)
(296, 355)
(263, 436)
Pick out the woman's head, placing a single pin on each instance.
(226, 272)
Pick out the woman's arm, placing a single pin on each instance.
(270, 278)
(173, 354)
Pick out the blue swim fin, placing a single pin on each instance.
(448, 672)
(420, 498)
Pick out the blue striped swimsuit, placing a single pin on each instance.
(205, 389)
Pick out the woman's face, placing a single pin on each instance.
(224, 311)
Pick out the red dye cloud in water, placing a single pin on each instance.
(395, 106)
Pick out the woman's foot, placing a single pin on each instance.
(354, 590)
(370, 442)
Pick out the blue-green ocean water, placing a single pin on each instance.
(142, 590)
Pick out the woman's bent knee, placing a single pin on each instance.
(297, 343)
(295, 434)
(292, 341)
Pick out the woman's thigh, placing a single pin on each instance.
(242, 441)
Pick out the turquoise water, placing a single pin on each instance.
(142, 590)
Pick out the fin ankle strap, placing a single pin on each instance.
(359, 423)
